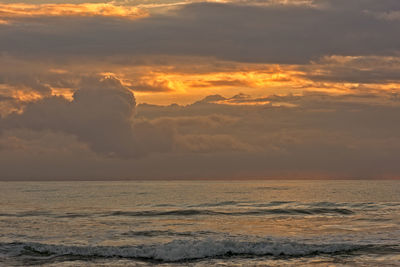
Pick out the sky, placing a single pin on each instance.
(181, 89)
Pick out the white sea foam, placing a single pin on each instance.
(179, 250)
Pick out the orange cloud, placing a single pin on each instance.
(256, 78)
(187, 80)
(26, 96)
(184, 85)
(10, 11)
(188, 87)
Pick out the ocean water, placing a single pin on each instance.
(200, 223)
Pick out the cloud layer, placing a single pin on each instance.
(230, 31)
(315, 135)
(277, 89)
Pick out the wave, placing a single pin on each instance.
(272, 188)
(192, 212)
(189, 212)
(45, 214)
(157, 233)
(183, 250)
(27, 214)
(217, 204)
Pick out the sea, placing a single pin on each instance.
(200, 223)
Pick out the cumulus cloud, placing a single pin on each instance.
(100, 115)
(334, 136)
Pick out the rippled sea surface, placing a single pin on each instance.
(201, 223)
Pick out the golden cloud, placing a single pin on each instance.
(11, 11)
(186, 80)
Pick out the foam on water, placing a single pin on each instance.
(243, 223)
(183, 250)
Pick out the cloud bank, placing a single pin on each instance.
(308, 136)
(264, 89)
(285, 34)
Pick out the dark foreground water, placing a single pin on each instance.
(246, 223)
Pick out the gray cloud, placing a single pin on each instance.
(102, 133)
(198, 37)
(318, 135)
(100, 115)
(272, 34)
(354, 69)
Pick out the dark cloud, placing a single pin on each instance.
(353, 136)
(271, 33)
(206, 38)
(354, 69)
(5, 98)
(100, 115)
(102, 133)
(34, 77)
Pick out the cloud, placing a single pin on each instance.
(101, 128)
(68, 109)
(211, 143)
(180, 53)
(100, 115)
(10, 12)
(351, 69)
(286, 34)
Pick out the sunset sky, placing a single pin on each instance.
(148, 89)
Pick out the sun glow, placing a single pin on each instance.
(12, 11)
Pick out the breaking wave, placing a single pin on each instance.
(183, 250)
